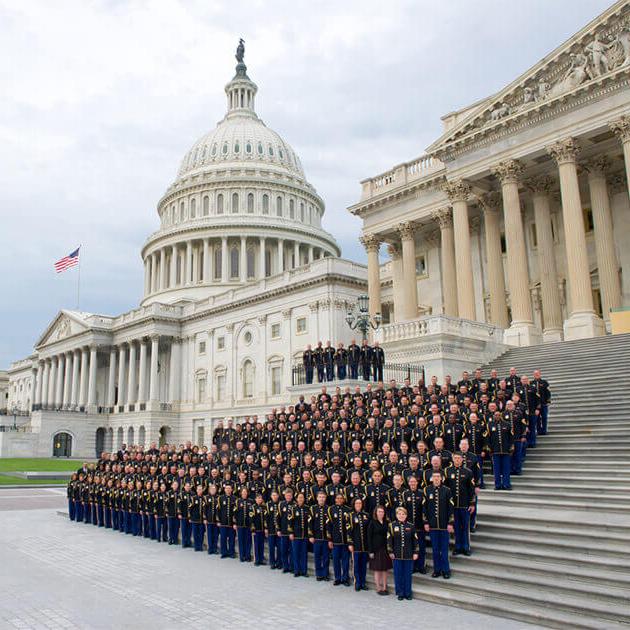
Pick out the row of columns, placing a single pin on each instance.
(456, 257)
(192, 262)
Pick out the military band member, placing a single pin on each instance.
(318, 536)
(341, 361)
(402, 541)
(358, 544)
(318, 355)
(354, 358)
(159, 513)
(413, 504)
(70, 494)
(257, 517)
(299, 535)
(171, 513)
(329, 361)
(308, 361)
(284, 530)
(272, 514)
(499, 438)
(378, 361)
(211, 518)
(338, 540)
(437, 506)
(226, 505)
(543, 393)
(366, 360)
(183, 515)
(195, 515)
(461, 483)
(242, 526)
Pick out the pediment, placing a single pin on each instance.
(597, 55)
(65, 324)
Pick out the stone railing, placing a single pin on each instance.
(400, 175)
(155, 310)
(436, 325)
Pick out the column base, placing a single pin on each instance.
(522, 334)
(583, 326)
(552, 335)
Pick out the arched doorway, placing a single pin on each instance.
(62, 444)
(130, 437)
(165, 435)
(142, 434)
(109, 444)
(100, 441)
(120, 438)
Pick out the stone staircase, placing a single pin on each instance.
(555, 551)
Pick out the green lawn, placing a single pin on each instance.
(46, 464)
(18, 481)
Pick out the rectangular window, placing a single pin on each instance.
(300, 325)
(275, 331)
(201, 390)
(276, 381)
(588, 220)
(221, 387)
(421, 265)
(503, 244)
(220, 343)
(202, 347)
(533, 236)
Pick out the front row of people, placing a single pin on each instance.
(289, 527)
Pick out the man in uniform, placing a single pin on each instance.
(308, 361)
(329, 361)
(366, 360)
(354, 357)
(543, 393)
(318, 536)
(378, 361)
(195, 513)
(499, 438)
(318, 354)
(461, 483)
(341, 361)
(226, 506)
(438, 517)
(338, 540)
(272, 515)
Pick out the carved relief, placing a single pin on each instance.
(491, 201)
(406, 231)
(371, 242)
(508, 172)
(542, 184)
(63, 328)
(621, 128)
(457, 190)
(564, 150)
(443, 217)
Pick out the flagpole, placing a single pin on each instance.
(79, 281)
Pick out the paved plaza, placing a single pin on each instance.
(56, 574)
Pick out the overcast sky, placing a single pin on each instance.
(100, 101)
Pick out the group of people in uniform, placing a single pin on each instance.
(330, 363)
(364, 476)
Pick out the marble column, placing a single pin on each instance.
(243, 259)
(224, 259)
(550, 294)
(111, 378)
(188, 265)
(607, 263)
(91, 399)
(142, 372)
(372, 245)
(74, 395)
(38, 384)
(154, 376)
(173, 269)
(280, 255)
(122, 370)
(296, 254)
(175, 369)
(310, 254)
(582, 322)
(45, 372)
(397, 283)
(163, 274)
(195, 263)
(147, 276)
(458, 193)
(61, 368)
(522, 331)
(621, 128)
(206, 260)
(83, 378)
(406, 231)
(261, 252)
(444, 218)
(67, 381)
(52, 387)
(131, 374)
(491, 205)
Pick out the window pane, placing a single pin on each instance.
(217, 263)
(250, 203)
(220, 204)
(251, 264)
(234, 263)
(234, 203)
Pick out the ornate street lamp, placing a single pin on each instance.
(359, 317)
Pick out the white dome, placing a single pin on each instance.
(242, 139)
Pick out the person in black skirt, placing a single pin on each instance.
(380, 562)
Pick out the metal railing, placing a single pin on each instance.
(391, 371)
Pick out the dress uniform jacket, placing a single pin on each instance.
(272, 517)
(299, 520)
(412, 501)
(376, 495)
(338, 527)
(226, 505)
(437, 507)
(284, 518)
(499, 437)
(171, 501)
(318, 522)
(358, 530)
(257, 517)
(241, 513)
(402, 540)
(461, 483)
(452, 434)
(195, 508)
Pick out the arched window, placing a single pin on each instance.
(267, 263)
(218, 261)
(265, 204)
(291, 209)
(193, 208)
(250, 203)
(260, 148)
(173, 217)
(281, 154)
(220, 203)
(214, 149)
(248, 379)
(206, 206)
(270, 151)
(237, 147)
(234, 203)
(248, 147)
(181, 211)
(234, 263)
(251, 263)
(279, 206)
(225, 148)
(302, 212)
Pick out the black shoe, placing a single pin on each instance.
(508, 488)
(446, 575)
(319, 579)
(468, 552)
(435, 574)
(357, 588)
(296, 575)
(456, 552)
(365, 588)
(346, 583)
(336, 582)
(286, 571)
(262, 564)
(409, 597)
(326, 578)
(473, 530)
(423, 570)
(400, 598)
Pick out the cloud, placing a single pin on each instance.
(101, 99)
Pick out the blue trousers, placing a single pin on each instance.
(186, 533)
(273, 541)
(330, 371)
(129, 522)
(360, 561)
(121, 520)
(161, 529)
(108, 517)
(87, 513)
(422, 551)
(71, 509)
(354, 370)
(341, 372)
(101, 516)
(322, 558)
(198, 531)
(285, 560)
(439, 546)
(501, 465)
(173, 529)
(153, 526)
(473, 516)
(320, 373)
(137, 523)
(78, 511)
(95, 514)
(244, 536)
(542, 420)
(309, 374)
(213, 538)
(533, 426)
(146, 525)
(299, 549)
(259, 548)
(518, 455)
(227, 541)
(365, 368)
(341, 563)
(378, 373)
(462, 529)
(402, 577)
(115, 518)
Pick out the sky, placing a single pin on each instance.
(100, 100)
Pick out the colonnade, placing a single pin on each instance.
(456, 258)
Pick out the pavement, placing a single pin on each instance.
(59, 574)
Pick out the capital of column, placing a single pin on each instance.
(508, 172)
(541, 185)
(443, 217)
(597, 166)
(457, 190)
(406, 230)
(393, 250)
(371, 242)
(314, 306)
(490, 202)
(262, 319)
(286, 313)
(154, 337)
(93, 347)
(621, 128)
(564, 151)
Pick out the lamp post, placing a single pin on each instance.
(14, 418)
(359, 317)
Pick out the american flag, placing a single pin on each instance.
(68, 261)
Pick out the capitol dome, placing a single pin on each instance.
(239, 210)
